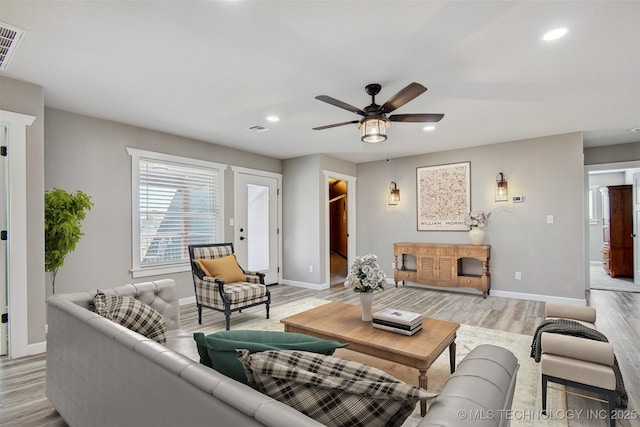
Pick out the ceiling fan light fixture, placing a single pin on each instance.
(373, 130)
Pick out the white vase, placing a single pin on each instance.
(476, 235)
(366, 302)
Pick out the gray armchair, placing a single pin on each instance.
(245, 289)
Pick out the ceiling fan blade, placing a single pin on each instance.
(336, 125)
(411, 91)
(340, 104)
(416, 118)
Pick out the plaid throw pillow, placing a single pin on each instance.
(132, 314)
(333, 391)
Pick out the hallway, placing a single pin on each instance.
(338, 268)
(601, 280)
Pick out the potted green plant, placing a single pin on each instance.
(63, 215)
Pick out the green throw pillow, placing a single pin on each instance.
(218, 350)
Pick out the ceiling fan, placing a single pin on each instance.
(374, 122)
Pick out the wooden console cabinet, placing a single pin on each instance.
(441, 264)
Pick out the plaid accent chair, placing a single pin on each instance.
(214, 293)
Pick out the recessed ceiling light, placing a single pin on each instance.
(273, 119)
(554, 34)
(429, 128)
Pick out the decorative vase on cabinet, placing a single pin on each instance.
(476, 236)
(366, 302)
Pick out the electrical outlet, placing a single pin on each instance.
(310, 268)
(549, 219)
(518, 275)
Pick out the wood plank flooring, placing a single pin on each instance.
(22, 399)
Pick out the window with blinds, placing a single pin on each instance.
(176, 202)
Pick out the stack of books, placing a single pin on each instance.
(398, 321)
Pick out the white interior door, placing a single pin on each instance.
(636, 222)
(256, 224)
(4, 326)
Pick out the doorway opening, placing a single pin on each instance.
(340, 227)
(338, 230)
(612, 236)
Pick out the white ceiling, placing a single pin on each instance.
(210, 69)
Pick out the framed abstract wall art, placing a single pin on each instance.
(443, 196)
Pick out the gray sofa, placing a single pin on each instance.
(479, 393)
(99, 373)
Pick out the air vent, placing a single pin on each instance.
(258, 128)
(9, 40)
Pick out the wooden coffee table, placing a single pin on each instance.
(342, 322)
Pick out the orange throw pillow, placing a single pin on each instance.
(225, 268)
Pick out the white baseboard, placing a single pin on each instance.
(30, 350)
(537, 297)
(187, 300)
(315, 286)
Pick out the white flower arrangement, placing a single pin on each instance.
(477, 219)
(365, 275)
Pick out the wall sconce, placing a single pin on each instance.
(394, 194)
(502, 189)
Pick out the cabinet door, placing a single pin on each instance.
(437, 270)
(446, 270)
(427, 269)
(620, 231)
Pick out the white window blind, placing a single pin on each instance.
(177, 202)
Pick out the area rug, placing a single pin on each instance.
(527, 398)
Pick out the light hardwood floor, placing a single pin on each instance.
(22, 399)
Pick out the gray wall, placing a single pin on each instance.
(612, 153)
(547, 171)
(303, 216)
(301, 219)
(26, 98)
(550, 257)
(89, 154)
